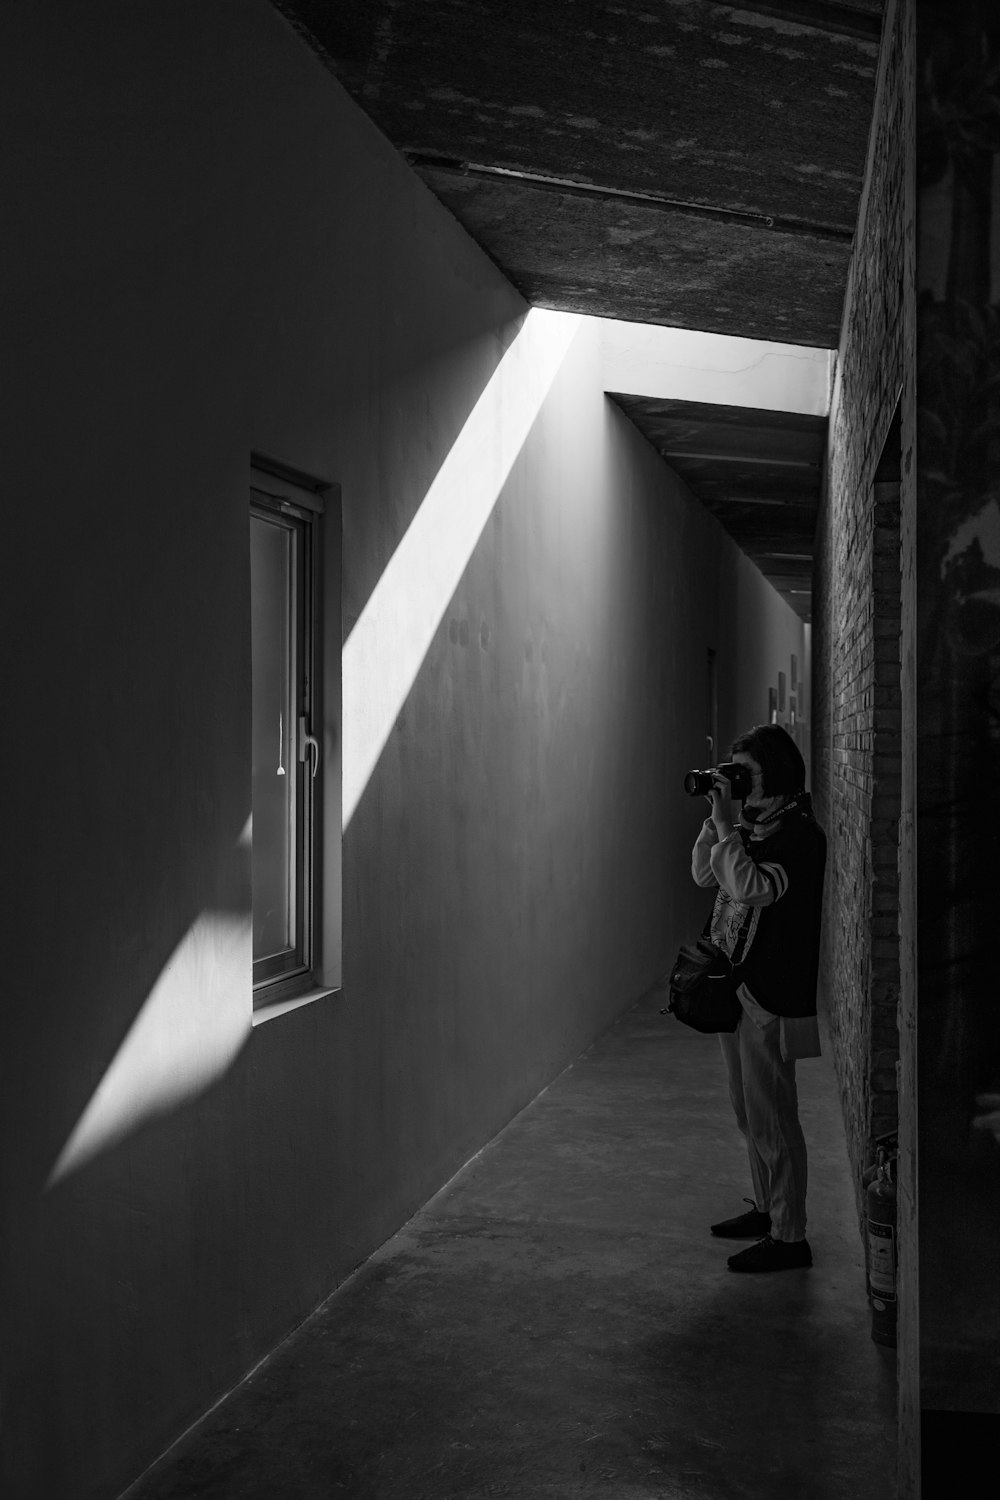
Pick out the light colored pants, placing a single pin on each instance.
(765, 1100)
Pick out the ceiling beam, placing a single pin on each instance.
(483, 172)
(797, 499)
(750, 500)
(742, 458)
(819, 15)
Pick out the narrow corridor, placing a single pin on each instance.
(558, 1322)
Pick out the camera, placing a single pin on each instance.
(699, 783)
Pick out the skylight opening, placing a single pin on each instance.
(683, 364)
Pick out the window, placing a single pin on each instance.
(288, 760)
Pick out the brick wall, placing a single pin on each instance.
(886, 782)
(856, 639)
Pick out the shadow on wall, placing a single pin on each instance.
(197, 1016)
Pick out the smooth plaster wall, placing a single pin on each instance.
(757, 655)
(220, 254)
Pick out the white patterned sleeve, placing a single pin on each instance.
(740, 878)
(701, 855)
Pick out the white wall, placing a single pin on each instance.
(219, 254)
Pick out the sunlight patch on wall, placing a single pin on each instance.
(189, 1031)
(387, 646)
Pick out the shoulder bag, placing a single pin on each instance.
(703, 988)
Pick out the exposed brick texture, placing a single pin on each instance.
(856, 650)
(886, 772)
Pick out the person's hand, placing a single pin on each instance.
(722, 804)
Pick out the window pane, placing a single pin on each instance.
(274, 738)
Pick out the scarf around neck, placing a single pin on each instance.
(798, 806)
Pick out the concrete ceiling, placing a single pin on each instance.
(758, 472)
(665, 161)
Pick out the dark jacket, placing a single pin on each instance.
(768, 910)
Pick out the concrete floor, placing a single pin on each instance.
(559, 1323)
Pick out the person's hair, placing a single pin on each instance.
(782, 767)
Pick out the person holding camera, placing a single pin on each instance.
(768, 866)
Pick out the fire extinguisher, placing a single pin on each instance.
(881, 1245)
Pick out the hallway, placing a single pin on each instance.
(557, 1322)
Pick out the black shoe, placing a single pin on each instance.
(773, 1255)
(748, 1226)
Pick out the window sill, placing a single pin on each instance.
(269, 1009)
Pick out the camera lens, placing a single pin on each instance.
(697, 783)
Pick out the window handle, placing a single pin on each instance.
(308, 745)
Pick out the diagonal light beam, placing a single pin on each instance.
(387, 646)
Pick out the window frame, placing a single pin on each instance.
(291, 976)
